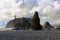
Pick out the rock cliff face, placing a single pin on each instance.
(22, 23)
(10, 24)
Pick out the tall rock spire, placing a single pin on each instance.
(35, 22)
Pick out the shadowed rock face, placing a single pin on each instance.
(35, 24)
(24, 23)
(10, 24)
(19, 23)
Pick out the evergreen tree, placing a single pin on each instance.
(35, 24)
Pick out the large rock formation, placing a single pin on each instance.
(48, 25)
(19, 23)
(35, 24)
(23, 23)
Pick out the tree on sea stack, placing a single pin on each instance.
(35, 22)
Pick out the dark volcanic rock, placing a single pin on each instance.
(48, 25)
(35, 24)
(19, 23)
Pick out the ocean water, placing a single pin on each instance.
(8, 34)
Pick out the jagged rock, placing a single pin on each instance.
(35, 24)
(48, 25)
(19, 23)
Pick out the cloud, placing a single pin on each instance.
(9, 8)
(48, 9)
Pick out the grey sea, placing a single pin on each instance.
(8, 34)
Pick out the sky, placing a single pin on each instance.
(49, 10)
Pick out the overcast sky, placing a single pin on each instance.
(49, 10)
